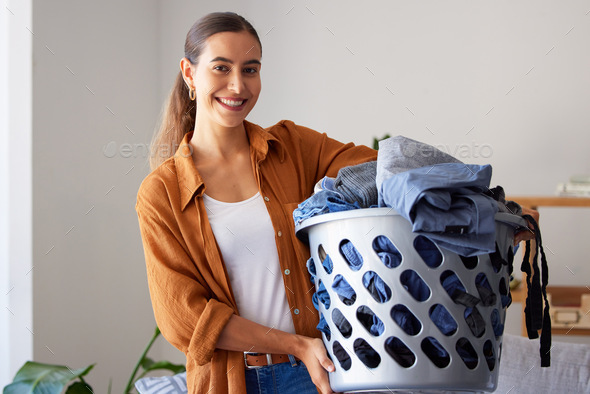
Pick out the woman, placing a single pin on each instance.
(225, 271)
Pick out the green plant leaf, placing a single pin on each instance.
(376, 141)
(79, 388)
(167, 365)
(146, 362)
(38, 378)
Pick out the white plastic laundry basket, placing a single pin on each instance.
(410, 351)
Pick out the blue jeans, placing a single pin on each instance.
(283, 378)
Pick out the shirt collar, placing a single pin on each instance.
(189, 179)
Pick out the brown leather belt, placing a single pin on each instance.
(257, 360)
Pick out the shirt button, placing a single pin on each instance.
(266, 199)
(287, 271)
(280, 233)
(296, 311)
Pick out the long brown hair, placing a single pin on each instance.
(179, 112)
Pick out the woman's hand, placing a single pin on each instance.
(242, 334)
(313, 354)
(526, 234)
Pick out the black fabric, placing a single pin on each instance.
(486, 294)
(366, 353)
(469, 262)
(341, 323)
(536, 317)
(453, 286)
(467, 353)
(435, 352)
(497, 193)
(400, 352)
(342, 356)
(369, 320)
(488, 352)
(497, 260)
(475, 321)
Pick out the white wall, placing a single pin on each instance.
(95, 90)
(16, 338)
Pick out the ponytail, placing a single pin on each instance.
(178, 118)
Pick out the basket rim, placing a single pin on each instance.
(302, 229)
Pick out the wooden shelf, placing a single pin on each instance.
(550, 201)
(519, 294)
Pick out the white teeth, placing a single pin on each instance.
(231, 103)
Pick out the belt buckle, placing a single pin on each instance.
(268, 360)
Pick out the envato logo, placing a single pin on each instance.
(461, 151)
(126, 150)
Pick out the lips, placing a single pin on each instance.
(232, 104)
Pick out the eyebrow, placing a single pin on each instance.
(223, 59)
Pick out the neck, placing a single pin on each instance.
(219, 142)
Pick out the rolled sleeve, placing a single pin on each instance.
(211, 323)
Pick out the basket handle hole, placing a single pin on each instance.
(345, 292)
(376, 287)
(389, 255)
(441, 317)
(351, 255)
(405, 319)
(400, 352)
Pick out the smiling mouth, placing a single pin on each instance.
(231, 103)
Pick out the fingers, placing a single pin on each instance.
(318, 366)
(327, 364)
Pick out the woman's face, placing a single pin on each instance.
(227, 79)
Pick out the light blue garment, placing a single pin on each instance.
(445, 202)
(399, 154)
(325, 201)
(387, 252)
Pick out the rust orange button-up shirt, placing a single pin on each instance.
(189, 286)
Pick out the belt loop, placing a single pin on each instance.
(292, 360)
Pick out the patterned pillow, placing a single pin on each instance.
(162, 385)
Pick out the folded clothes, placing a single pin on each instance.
(399, 154)
(445, 202)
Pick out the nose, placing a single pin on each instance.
(236, 81)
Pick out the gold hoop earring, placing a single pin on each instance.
(192, 94)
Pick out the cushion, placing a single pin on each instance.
(521, 372)
(162, 385)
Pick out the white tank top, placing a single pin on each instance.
(246, 238)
